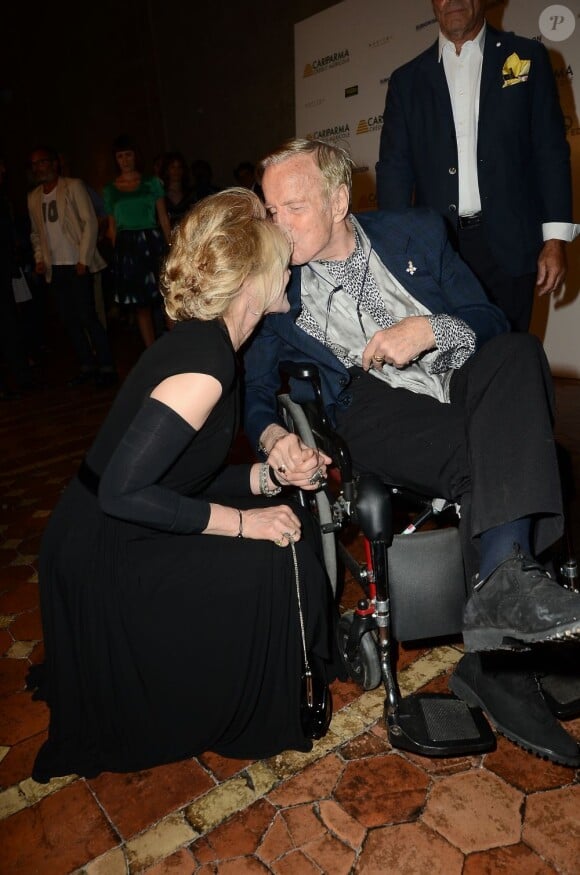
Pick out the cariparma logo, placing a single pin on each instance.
(366, 125)
(331, 134)
(321, 65)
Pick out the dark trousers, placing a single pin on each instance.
(491, 448)
(75, 300)
(512, 294)
(11, 343)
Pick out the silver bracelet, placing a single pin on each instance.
(263, 481)
(263, 449)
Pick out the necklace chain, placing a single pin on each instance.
(356, 295)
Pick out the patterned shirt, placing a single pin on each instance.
(454, 339)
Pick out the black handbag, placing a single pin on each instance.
(315, 706)
(315, 696)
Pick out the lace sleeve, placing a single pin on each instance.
(455, 340)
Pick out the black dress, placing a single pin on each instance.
(161, 646)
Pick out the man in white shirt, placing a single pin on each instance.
(473, 128)
(64, 231)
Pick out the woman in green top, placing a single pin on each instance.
(139, 229)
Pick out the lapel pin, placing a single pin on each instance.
(411, 268)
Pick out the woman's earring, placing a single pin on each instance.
(259, 313)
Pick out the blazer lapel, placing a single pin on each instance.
(494, 52)
(437, 89)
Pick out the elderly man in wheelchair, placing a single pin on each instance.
(417, 373)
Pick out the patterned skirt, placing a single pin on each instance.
(137, 260)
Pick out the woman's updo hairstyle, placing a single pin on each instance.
(223, 240)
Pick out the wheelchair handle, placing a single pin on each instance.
(308, 371)
(333, 443)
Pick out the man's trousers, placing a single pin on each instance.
(491, 449)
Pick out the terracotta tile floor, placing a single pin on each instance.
(353, 805)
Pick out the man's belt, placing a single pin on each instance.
(473, 221)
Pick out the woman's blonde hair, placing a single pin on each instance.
(225, 239)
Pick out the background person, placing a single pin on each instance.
(473, 128)
(139, 230)
(179, 194)
(64, 232)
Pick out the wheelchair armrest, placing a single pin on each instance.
(308, 371)
(374, 509)
(301, 370)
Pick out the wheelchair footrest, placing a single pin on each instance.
(562, 693)
(439, 725)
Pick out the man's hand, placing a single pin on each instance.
(551, 267)
(400, 344)
(294, 463)
(81, 269)
(40, 268)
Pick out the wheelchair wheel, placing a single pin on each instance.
(365, 667)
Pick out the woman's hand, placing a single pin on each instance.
(296, 464)
(278, 524)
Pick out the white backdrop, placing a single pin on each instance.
(343, 60)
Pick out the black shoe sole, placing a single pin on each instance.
(511, 639)
(464, 692)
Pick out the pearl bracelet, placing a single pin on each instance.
(263, 481)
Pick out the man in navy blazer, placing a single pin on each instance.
(473, 128)
(431, 391)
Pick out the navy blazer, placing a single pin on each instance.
(523, 157)
(441, 281)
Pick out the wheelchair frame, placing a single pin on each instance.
(428, 724)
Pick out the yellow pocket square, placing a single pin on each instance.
(515, 70)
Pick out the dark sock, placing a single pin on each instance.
(499, 543)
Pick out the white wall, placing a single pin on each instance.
(343, 60)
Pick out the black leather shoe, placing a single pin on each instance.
(81, 379)
(519, 604)
(9, 395)
(514, 705)
(106, 379)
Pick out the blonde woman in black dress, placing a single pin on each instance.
(168, 599)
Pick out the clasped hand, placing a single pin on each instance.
(296, 464)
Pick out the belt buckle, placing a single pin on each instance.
(469, 221)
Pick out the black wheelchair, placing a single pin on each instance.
(413, 586)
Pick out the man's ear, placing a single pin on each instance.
(340, 202)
